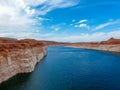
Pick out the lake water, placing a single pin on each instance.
(71, 69)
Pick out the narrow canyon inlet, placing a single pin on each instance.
(70, 69)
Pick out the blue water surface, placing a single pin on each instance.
(70, 69)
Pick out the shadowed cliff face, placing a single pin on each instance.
(19, 56)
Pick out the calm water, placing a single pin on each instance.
(71, 69)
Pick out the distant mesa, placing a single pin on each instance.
(23, 55)
(7, 40)
(111, 41)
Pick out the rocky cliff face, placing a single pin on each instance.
(112, 45)
(19, 57)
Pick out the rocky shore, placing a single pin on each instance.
(112, 45)
(19, 56)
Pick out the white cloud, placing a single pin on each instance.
(17, 15)
(101, 26)
(49, 5)
(73, 20)
(82, 21)
(82, 26)
(15, 9)
(85, 37)
(11, 14)
(35, 2)
(55, 27)
(26, 35)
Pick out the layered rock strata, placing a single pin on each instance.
(19, 57)
(112, 45)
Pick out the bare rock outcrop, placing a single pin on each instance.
(112, 45)
(19, 56)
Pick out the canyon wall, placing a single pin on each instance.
(112, 45)
(19, 57)
(111, 48)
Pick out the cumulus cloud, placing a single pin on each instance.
(14, 13)
(21, 15)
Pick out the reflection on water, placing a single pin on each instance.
(71, 69)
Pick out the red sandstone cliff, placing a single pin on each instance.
(110, 45)
(19, 56)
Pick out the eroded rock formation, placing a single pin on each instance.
(19, 56)
(112, 45)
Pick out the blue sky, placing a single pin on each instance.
(60, 20)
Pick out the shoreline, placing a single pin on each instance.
(20, 57)
(108, 48)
